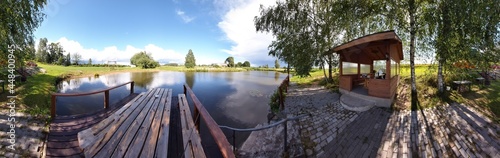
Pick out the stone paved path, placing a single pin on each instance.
(29, 134)
(444, 131)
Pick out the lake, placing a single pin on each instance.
(236, 99)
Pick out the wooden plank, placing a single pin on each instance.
(88, 136)
(163, 136)
(63, 133)
(112, 138)
(119, 149)
(213, 127)
(135, 148)
(191, 138)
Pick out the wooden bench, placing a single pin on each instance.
(190, 136)
(138, 129)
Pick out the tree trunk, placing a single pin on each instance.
(440, 76)
(324, 71)
(330, 62)
(414, 96)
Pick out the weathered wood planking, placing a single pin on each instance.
(62, 139)
(191, 138)
(139, 129)
(213, 127)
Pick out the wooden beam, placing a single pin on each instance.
(389, 35)
(213, 127)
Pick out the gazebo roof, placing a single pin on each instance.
(373, 46)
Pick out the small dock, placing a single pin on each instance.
(150, 124)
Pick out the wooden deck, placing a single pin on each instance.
(150, 124)
(139, 128)
(62, 140)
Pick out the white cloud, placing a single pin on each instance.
(238, 25)
(184, 17)
(113, 53)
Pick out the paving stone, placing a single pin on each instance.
(384, 133)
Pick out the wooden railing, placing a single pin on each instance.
(213, 127)
(283, 85)
(285, 131)
(106, 96)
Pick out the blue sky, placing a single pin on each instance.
(115, 30)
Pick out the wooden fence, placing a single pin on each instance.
(213, 127)
(106, 96)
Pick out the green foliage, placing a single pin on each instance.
(246, 64)
(61, 60)
(190, 60)
(68, 59)
(276, 64)
(239, 64)
(19, 19)
(229, 61)
(90, 61)
(42, 52)
(143, 60)
(274, 103)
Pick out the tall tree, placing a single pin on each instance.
(68, 59)
(229, 61)
(190, 61)
(306, 30)
(19, 20)
(55, 52)
(144, 60)
(90, 61)
(246, 64)
(76, 58)
(43, 51)
(466, 31)
(276, 64)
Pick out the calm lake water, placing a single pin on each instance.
(236, 99)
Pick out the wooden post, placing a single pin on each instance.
(106, 99)
(184, 90)
(53, 107)
(132, 87)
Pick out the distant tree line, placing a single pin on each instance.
(53, 53)
(230, 63)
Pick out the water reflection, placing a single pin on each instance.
(237, 99)
(143, 79)
(189, 76)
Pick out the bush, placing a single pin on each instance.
(274, 103)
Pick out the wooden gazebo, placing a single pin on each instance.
(357, 71)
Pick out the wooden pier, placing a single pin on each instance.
(150, 124)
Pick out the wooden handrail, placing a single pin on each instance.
(106, 96)
(213, 127)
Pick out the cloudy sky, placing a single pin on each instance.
(115, 30)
